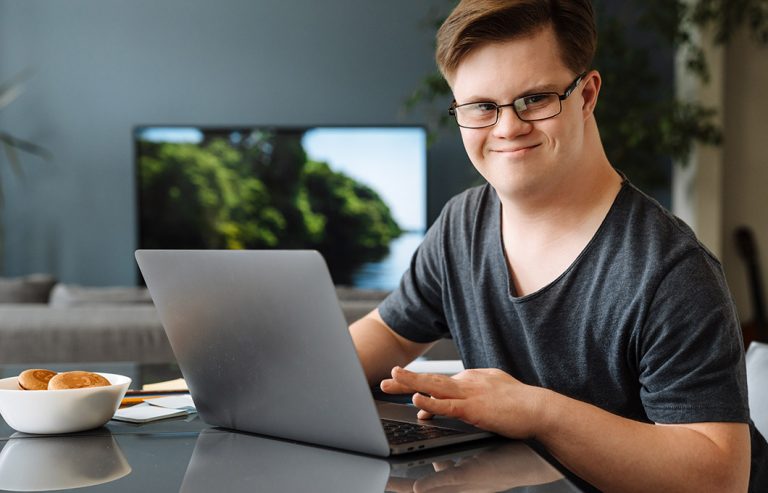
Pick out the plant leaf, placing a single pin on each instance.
(26, 146)
(13, 157)
(12, 89)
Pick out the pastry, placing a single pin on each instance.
(35, 379)
(76, 380)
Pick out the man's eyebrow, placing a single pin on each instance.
(476, 99)
(531, 90)
(539, 89)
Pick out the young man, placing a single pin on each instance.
(592, 320)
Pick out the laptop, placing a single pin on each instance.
(264, 348)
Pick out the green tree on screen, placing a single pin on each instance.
(261, 192)
(358, 223)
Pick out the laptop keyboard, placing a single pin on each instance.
(399, 432)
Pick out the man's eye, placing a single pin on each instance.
(483, 107)
(536, 99)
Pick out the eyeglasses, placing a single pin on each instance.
(530, 108)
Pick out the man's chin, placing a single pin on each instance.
(517, 186)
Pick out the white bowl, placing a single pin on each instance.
(60, 411)
(59, 463)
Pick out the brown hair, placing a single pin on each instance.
(476, 22)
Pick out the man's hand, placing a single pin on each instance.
(487, 398)
(609, 451)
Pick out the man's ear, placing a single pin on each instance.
(592, 83)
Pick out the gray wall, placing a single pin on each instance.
(745, 175)
(103, 66)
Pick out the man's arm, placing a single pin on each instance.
(380, 348)
(620, 454)
(610, 452)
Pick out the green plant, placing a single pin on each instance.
(677, 20)
(9, 92)
(643, 125)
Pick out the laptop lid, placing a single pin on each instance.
(263, 344)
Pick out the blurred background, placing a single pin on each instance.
(683, 111)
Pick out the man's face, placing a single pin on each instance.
(521, 158)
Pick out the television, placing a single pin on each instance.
(355, 193)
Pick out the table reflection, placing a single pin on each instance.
(502, 466)
(37, 463)
(246, 462)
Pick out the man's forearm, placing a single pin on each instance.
(379, 348)
(618, 454)
(611, 452)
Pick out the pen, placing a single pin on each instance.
(133, 397)
(136, 400)
(135, 392)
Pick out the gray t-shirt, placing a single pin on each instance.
(641, 324)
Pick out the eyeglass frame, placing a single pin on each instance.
(561, 97)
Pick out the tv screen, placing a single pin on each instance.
(356, 194)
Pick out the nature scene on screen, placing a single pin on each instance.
(358, 195)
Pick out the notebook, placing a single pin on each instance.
(264, 348)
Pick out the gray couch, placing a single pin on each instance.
(43, 323)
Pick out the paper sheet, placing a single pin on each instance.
(144, 413)
(183, 401)
(445, 367)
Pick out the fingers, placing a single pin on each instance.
(445, 481)
(400, 485)
(442, 407)
(422, 414)
(443, 465)
(390, 386)
(398, 385)
(433, 394)
(439, 386)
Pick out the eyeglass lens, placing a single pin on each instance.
(528, 108)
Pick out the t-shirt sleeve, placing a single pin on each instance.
(690, 352)
(415, 309)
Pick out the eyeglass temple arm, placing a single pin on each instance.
(572, 87)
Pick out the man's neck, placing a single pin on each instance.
(588, 189)
(544, 233)
(565, 202)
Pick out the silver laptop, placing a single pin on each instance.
(264, 347)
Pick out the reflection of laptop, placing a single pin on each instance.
(264, 347)
(254, 463)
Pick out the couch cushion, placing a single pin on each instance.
(41, 334)
(34, 288)
(71, 295)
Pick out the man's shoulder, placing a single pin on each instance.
(658, 240)
(649, 220)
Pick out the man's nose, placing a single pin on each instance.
(509, 124)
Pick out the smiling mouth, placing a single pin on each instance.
(515, 150)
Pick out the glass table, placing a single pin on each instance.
(185, 454)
